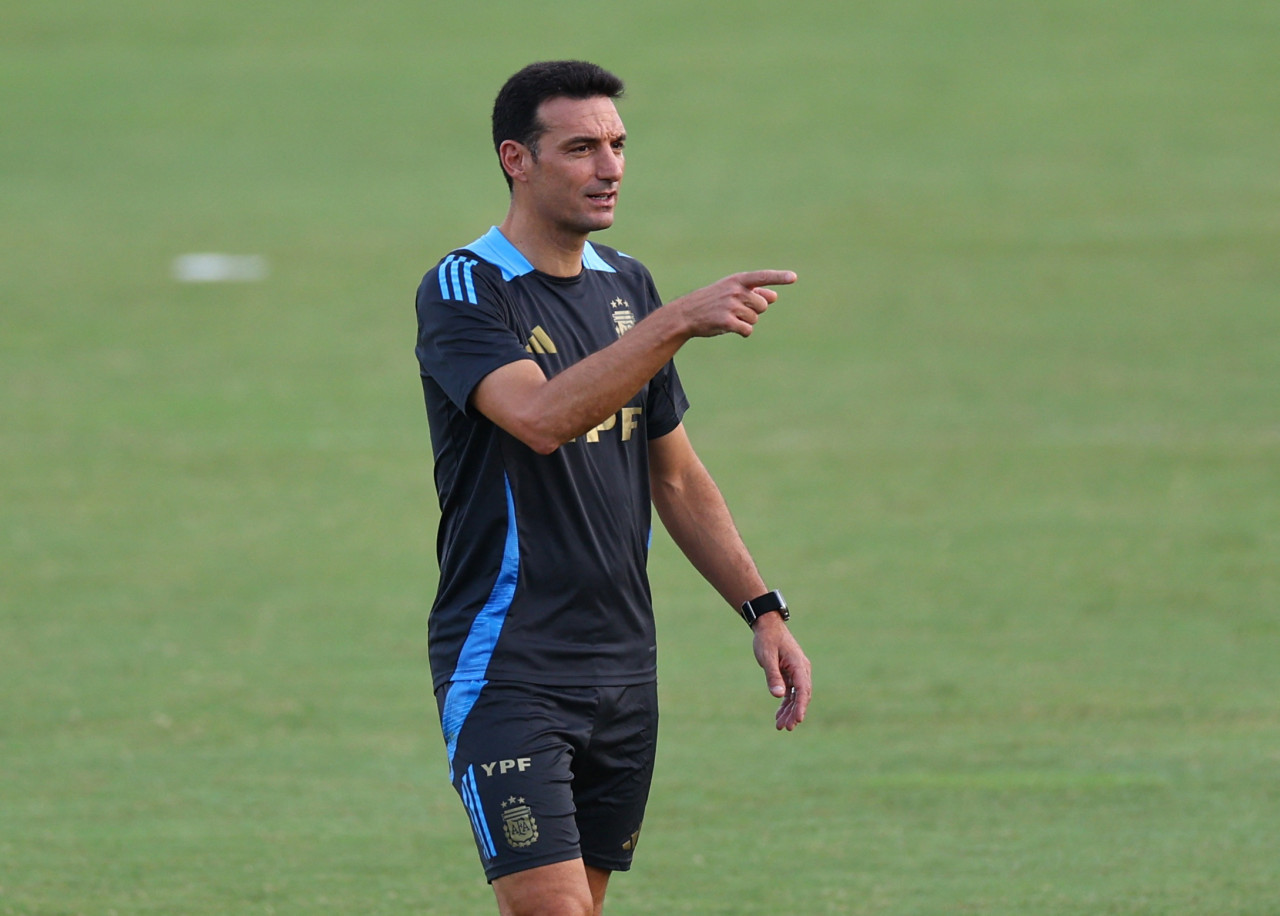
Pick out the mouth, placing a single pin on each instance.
(606, 198)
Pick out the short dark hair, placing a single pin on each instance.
(515, 111)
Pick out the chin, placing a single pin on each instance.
(587, 226)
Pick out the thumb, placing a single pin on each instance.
(773, 674)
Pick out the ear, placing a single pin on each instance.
(516, 158)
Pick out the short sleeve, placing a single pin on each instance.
(466, 326)
(666, 402)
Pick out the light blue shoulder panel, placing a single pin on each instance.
(591, 260)
(494, 248)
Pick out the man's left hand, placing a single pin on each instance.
(785, 668)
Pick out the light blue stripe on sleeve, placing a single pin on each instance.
(455, 281)
(444, 277)
(471, 289)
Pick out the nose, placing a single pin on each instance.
(609, 164)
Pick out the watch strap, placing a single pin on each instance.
(753, 610)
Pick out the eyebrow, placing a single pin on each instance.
(594, 138)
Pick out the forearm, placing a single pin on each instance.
(545, 413)
(589, 392)
(696, 516)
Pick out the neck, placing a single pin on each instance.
(553, 252)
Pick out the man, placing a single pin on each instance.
(555, 415)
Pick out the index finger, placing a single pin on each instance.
(799, 696)
(796, 704)
(754, 278)
(791, 712)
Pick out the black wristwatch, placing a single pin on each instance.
(767, 603)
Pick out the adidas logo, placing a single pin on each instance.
(540, 342)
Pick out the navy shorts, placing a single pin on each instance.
(549, 774)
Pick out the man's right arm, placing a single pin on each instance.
(545, 413)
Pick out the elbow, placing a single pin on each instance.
(537, 435)
(543, 445)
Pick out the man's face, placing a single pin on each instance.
(573, 185)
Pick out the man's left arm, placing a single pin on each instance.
(695, 514)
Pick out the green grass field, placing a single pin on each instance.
(1011, 447)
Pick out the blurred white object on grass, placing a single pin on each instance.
(219, 268)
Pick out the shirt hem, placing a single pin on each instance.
(557, 680)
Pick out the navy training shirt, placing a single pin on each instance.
(542, 557)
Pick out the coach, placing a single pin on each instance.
(555, 414)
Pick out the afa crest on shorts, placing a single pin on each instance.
(518, 824)
(623, 318)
